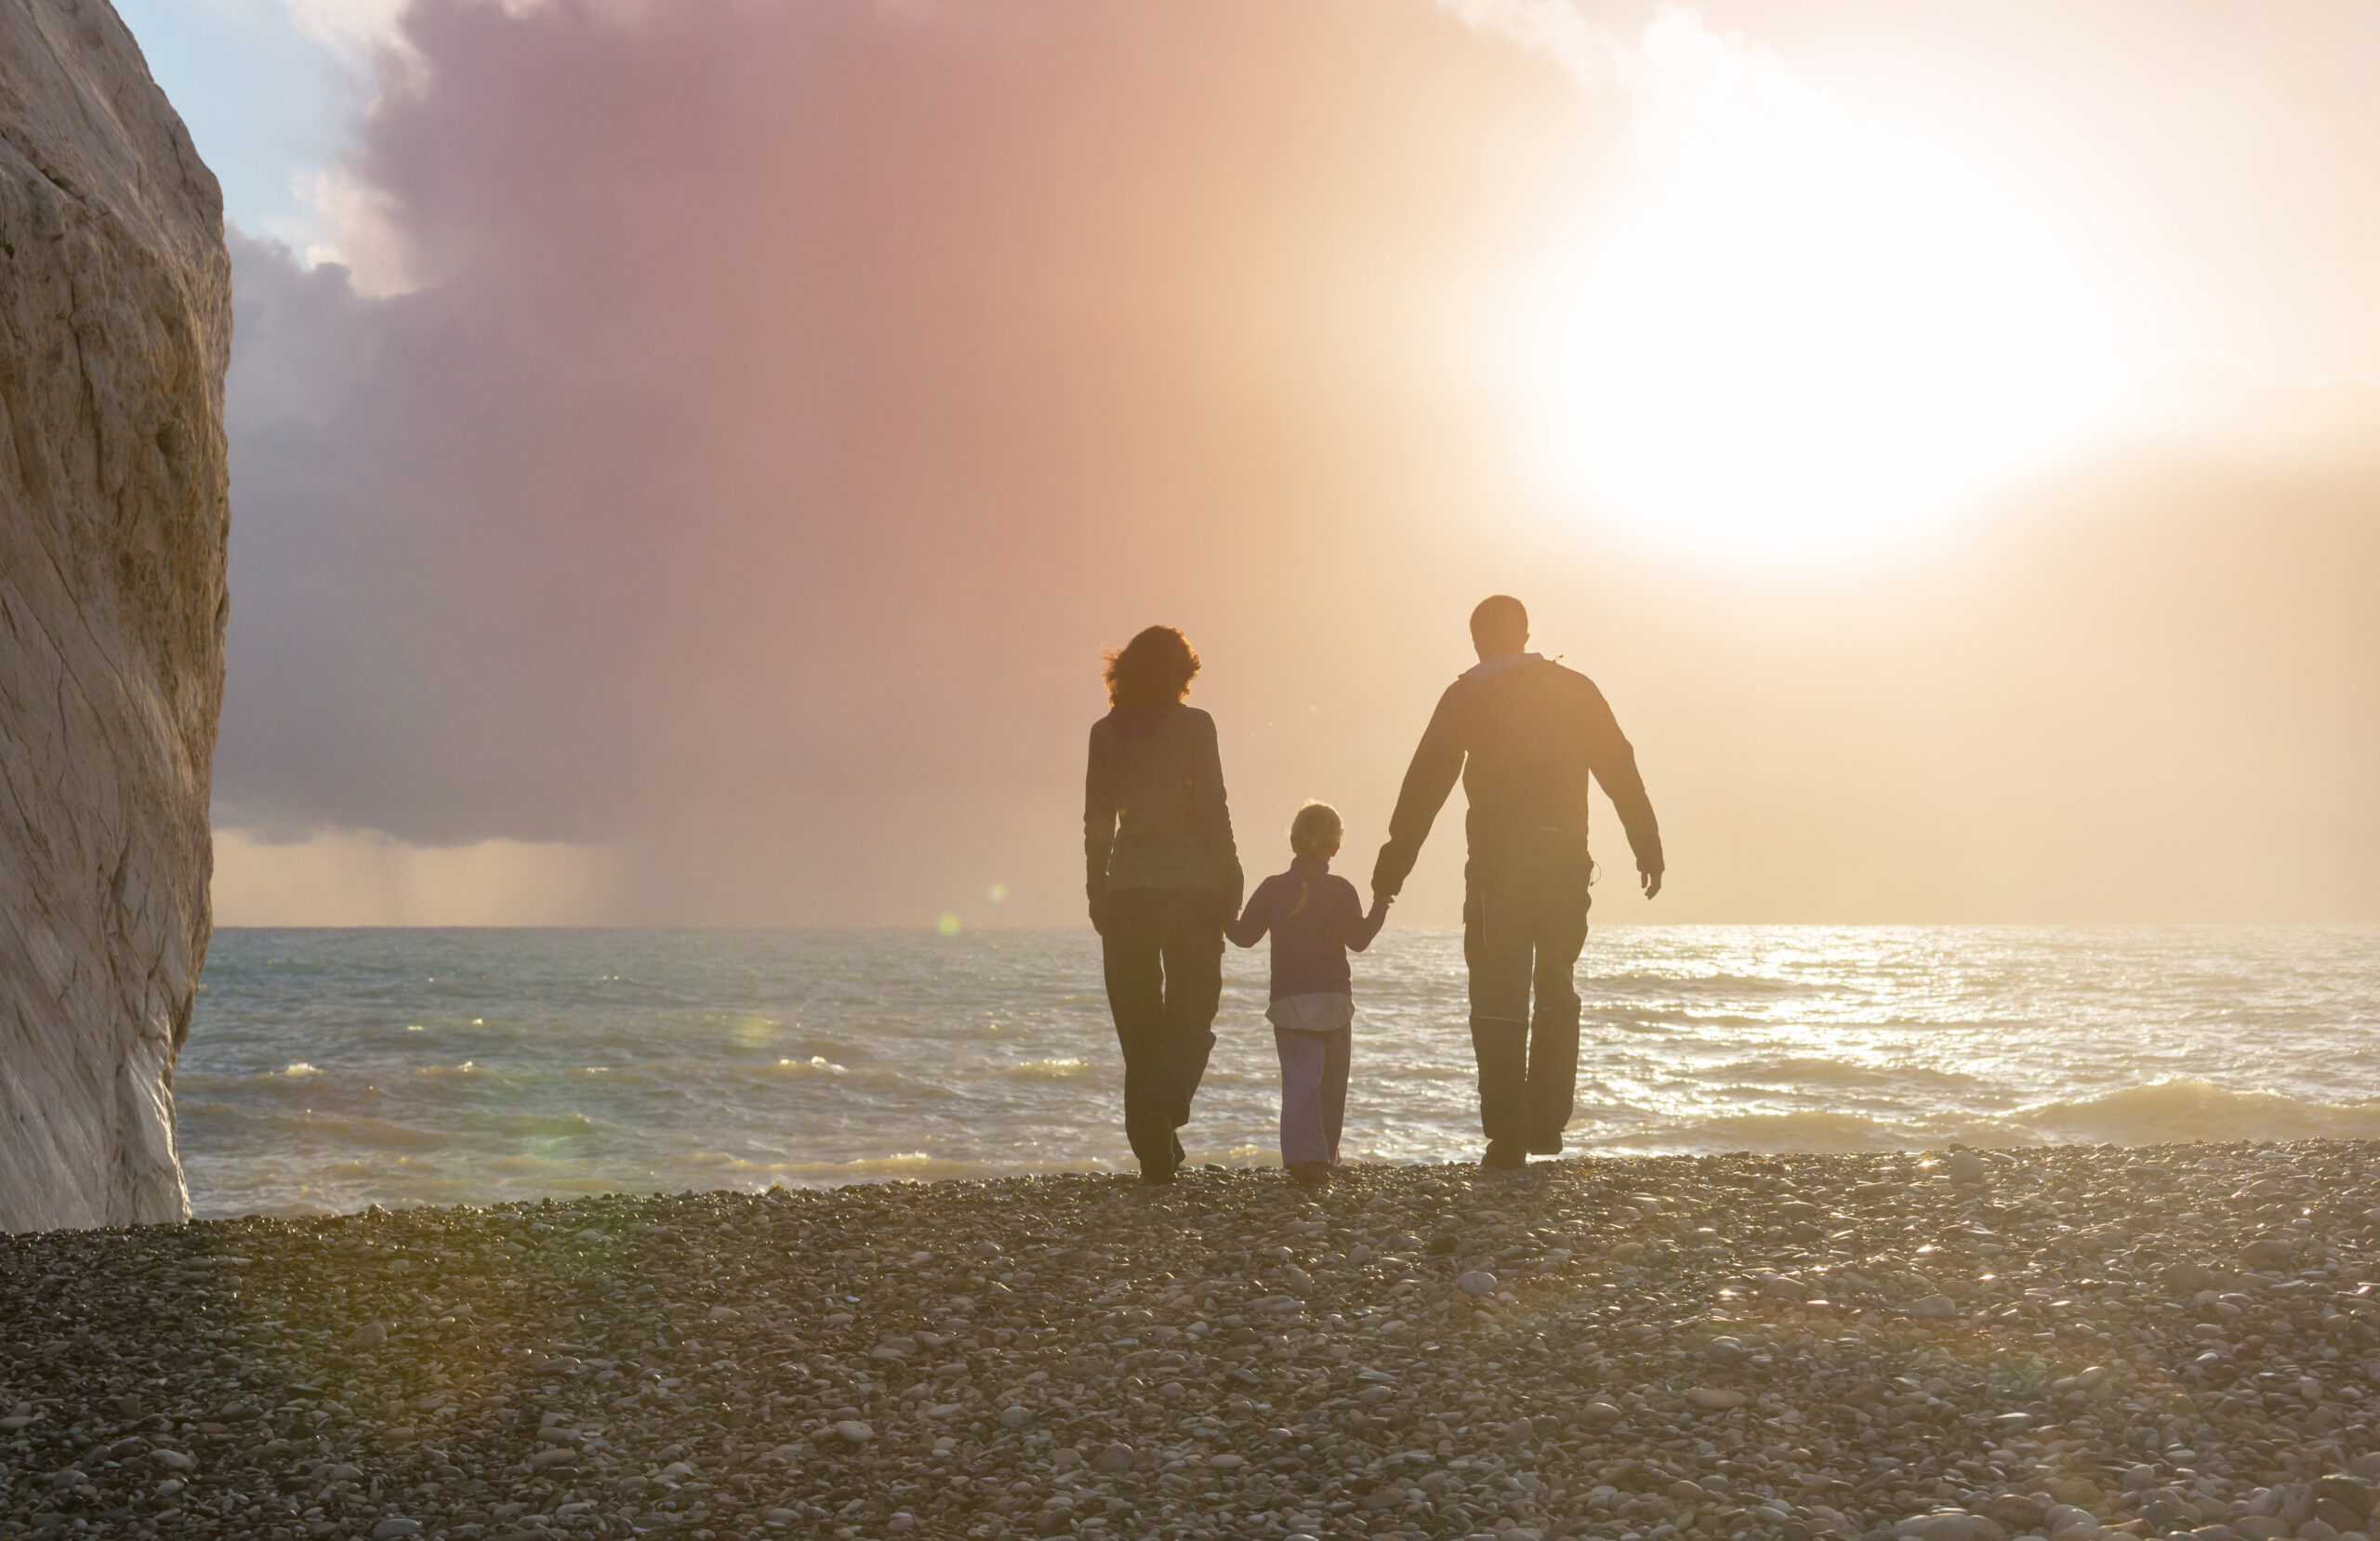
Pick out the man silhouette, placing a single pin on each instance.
(1523, 734)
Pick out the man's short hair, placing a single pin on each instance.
(1498, 615)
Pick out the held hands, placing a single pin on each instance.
(1651, 883)
(1099, 915)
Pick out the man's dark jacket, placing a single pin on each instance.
(1523, 736)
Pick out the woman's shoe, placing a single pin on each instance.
(1156, 1177)
(1310, 1174)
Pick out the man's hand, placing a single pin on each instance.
(1651, 883)
(1099, 915)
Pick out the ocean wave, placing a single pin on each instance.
(533, 1122)
(1829, 1133)
(905, 1061)
(268, 1128)
(915, 1164)
(1808, 1073)
(1048, 1070)
(1689, 984)
(1425, 1071)
(2178, 1112)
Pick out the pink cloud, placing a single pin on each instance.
(797, 396)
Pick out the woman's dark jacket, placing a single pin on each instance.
(1152, 811)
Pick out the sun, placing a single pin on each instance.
(1784, 334)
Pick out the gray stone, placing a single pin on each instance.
(113, 514)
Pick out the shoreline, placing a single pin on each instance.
(2055, 1341)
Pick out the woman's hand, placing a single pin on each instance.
(1099, 915)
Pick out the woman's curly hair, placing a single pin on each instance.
(1152, 669)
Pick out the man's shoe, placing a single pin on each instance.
(1180, 1159)
(1156, 1177)
(1504, 1156)
(1546, 1145)
(1310, 1174)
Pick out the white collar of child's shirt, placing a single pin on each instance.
(1501, 662)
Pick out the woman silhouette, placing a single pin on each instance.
(1163, 877)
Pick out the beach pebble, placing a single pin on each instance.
(2018, 1512)
(2349, 1493)
(1290, 1354)
(394, 1526)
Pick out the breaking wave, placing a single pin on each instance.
(2188, 1109)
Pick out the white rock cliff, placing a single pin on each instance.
(115, 325)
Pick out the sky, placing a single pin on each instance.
(688, 457)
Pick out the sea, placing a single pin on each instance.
(331, 1070)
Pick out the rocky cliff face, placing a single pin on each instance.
(115, 322)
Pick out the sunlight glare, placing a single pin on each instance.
(1784, 335)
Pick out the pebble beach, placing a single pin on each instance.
(2067, 1343)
